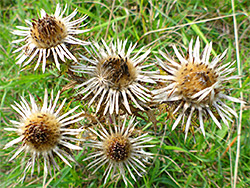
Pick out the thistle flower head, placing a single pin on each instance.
(118, 149)
(49, 35)
(116, 78)
(195, 86)
(43, 132)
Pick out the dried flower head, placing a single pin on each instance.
(116, 79)
(119, 150)
(195, 87)
(49, 35)
(44, 133)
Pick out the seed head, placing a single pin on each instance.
(47, 36)
(116, 78)
(118, 148)
(195, 87)
(120, 71)
(41, 132)
(48, 32)
(193, 78)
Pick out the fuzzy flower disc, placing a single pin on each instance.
(48, 32)
(117, 147)
(193, 78)
(41, 131)
(120, 71)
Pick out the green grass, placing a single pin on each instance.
(155, 24)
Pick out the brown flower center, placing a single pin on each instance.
(119, 72)
(41, 131)
(48, 32)
(193, 78)
(118, 148)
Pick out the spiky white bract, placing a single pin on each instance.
(44, 132)
(195, 86)
(117, 149)
(49, 35)
(116, 77)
